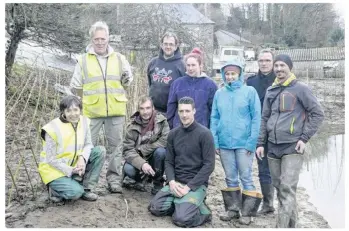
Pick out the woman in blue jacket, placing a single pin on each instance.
(196, 85)
(235, 121)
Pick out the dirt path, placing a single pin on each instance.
(110, 210)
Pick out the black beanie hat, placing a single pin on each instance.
(284, 58)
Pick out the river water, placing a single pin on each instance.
(323, 176)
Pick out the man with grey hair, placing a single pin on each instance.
(99, 79)
(163, 70)
(261, 81)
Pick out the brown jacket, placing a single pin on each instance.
(136, 153)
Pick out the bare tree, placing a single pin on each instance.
(50, 25)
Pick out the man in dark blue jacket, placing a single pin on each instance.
(163, 70)
(261, 81)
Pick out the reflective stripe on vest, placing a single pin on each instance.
(66, 152)
(102, 91)
(100, 78)
(102, 97)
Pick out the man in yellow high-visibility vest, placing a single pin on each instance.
(99, 79)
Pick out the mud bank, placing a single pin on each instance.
(129, 210)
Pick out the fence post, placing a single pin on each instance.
(307, 77)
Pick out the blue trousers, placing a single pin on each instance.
(157, 162)
(237, 164)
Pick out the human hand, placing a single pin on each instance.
(175, 188)
(125, 77)
(147, 169)
(80, 166)
(300, 147)
(183, 190)
(260, 152)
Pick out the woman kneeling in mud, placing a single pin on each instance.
(69, 164)
(235, 121)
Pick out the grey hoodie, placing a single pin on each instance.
(294, 115)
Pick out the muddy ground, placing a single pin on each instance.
(129, 210)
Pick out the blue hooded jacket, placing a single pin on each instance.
(236, 115)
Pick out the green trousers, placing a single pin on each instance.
(188, 211)
(70, 189)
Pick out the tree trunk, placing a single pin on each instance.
(15, 39)
(271, 20)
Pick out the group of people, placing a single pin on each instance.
(178, 129)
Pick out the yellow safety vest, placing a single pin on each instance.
(102, 97)
(69, 145)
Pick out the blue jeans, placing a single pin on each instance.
(156, 161)
(236, 163)
(263, 168)
(68, 188)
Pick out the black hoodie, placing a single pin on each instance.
(161, 74)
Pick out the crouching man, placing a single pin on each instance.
(189, 162)
(144, 147)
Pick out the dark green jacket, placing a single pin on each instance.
(136, 153)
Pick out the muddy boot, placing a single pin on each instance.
(157, 185)
(250, 204)
(89, 196)
(139, 186)
(114, 188)
(128, 182)
(232, 203)
(54, 196)
(293, 219)
(268, 199)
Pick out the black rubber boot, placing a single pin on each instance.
(250, 204)
(268, 199)
(232, 203)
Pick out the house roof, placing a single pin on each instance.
(227, 38)
(313, 54)
(186, 13)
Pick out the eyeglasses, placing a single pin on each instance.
(168, 44)
(101, 41)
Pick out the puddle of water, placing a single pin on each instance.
(323, 177)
